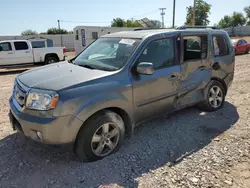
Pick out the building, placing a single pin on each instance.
(85, 35)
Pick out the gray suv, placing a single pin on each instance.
(122, 79)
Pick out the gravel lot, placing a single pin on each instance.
(187, 149)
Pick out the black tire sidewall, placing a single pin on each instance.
(83, 141)
(50, 58)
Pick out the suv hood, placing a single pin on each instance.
(58, 76)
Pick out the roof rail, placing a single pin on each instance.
(197, 27)
(139, 29)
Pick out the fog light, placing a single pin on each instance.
(39, 135)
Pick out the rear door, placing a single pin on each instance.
(195, 68)
(155, 94)
(240, 46)
(23, 52)
(225, 59)
(7, 55)
(245, 46)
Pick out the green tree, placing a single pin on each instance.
(225, 22)
(234, 20)
(55, 31)
(118, 22)
(202, 11)
(238, 19)
(247, 11)
(131, 23)
(156, 23)
(29, 32)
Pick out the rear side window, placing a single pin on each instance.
(220, 46)
(21, 46)
(6, 46)
(195, 47)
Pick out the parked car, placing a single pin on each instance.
(93, 103)
(241, 46)
(16, 52)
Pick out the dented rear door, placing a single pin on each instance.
(195, 68)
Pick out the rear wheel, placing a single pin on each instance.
(51, 60)
(214, 97)
(101, 136)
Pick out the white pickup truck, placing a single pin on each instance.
(16, 52)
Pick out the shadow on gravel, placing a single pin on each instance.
(164, 140)
(10, 72)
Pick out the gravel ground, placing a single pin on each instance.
(187, 149)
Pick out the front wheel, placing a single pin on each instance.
(101, 136)
(214, 97)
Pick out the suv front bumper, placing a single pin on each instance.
(47, 130)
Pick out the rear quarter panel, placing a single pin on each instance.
(40, 53)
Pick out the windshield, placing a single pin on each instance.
(107, 53)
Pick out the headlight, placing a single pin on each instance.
(41, 101)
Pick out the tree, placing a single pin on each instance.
(156, 23)
(236, 19)
(247, 11)
(225, 22)
(131, 23)
(55, 31)
(29, 32)
(202, 11)
(118, 22)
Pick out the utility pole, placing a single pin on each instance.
(173, 14)
(162, 16)
(194, 7)
(58, 24)
(59, 28)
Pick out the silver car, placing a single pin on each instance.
(121, 80)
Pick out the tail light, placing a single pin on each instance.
(64, 50)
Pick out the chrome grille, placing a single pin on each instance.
(19, 94)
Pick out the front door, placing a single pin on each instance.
(23, 52)
(155, 94)
(7, 55)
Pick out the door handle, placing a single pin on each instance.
(10, 52)
(27, 52)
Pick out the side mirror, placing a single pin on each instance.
(145, 68)
(1, 48)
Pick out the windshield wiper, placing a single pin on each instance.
(70, 61)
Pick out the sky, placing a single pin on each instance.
(19, 15)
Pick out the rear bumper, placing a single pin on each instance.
(46, 130)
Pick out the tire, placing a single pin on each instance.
(92, 148)
(51, 60)
(208, 104)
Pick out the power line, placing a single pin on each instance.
(68, 21)
(140, 15)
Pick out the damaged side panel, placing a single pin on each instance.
(190, 89)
